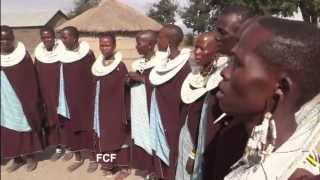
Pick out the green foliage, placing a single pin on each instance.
(83, 5)
(200, 15)
(310, 8)
(163, 12)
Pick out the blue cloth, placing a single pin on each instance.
(12, 114)
(96, 120)
(158, 138)
(199, 160)
(185, 148)
(140, 126)
(63, 108)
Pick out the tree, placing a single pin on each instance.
(310, 9)
(200, 15)
(163, 12)
(83, 5)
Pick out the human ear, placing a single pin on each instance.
(283, 88)
(284, 85)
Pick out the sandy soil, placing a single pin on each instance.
(48, 170)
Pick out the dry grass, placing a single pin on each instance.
(112, 15)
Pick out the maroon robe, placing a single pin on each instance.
(172, 111)
(194, 115)
(140, 158)
(23, 79)
(112, 115)
(79, 90)
(225, 141)
(49, 78)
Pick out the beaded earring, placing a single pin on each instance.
(261, 142)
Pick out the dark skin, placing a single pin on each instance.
(7, 42)
(206, 47)
(301, 174)
(107, 48)
(166, 41)
(48, 39)
(249, 84)
(70, 41)
(227, 26)
(145, 44)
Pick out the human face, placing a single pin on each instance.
(227, 26)
(7, 42)
(247, 82)
(143, 46)
(48, 39)
(163, 42)
(106, 46)
(69, 40)
(205, 50)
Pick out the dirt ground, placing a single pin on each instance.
(48, 170)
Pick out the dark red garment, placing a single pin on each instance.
(113, 114)
(49, 79)
(79, 90)
(149, 86)
(172, 112)
(49, 75)
(225, 141)
(23, 79)
(140, 158)
(112, 109)
(193, 118)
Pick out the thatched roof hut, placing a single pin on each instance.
(112, 16)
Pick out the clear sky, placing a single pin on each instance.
(67, 5)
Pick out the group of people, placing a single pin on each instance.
(243, 104)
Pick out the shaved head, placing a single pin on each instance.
(7, 39)
(210, 37)
(148, 35)
(6, 29)
(174, 33)
(72, 30)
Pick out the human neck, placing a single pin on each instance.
(9, 51)
(108, 60)
(49, 48)
(75, 46)
(174, 52)
(206, 69)
(285, 124)
(149, 55)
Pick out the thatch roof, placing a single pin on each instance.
(114, 16)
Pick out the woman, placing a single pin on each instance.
(205, 76)
(48, 66)
(76, 89)
(110, 113)
(140, 102)
(21, 117)
(274, 71)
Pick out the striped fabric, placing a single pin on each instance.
(312, 163)
(96, 120)
(140, 127)
(158, 138)
(198, 165)
(12, 115)
(185, 147)
(62, 109)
